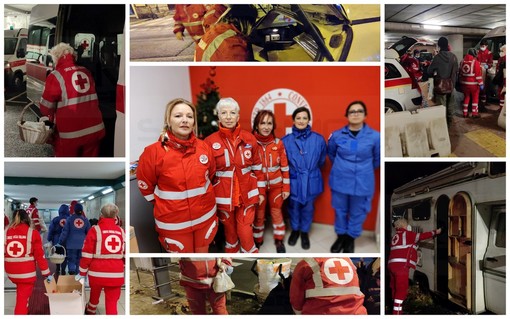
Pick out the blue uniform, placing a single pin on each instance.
(56, 227)
(306, 152)
(352, 178)
(72, 237)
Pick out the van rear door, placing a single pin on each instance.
(494, 263)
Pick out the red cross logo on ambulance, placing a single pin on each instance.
(113, 244)
(282, 102)
(15, 249)
(78, 223)
(338, 271)
(81, 82)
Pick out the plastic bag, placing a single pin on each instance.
(268, 272)
(222, 281)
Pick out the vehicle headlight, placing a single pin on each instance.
(7, 65)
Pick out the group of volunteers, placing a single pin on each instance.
(94, 251)
(233, 175)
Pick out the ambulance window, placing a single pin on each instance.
(501, 231)
(391, 72)
(422, 210)
(496, 168)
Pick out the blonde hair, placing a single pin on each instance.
(60, 50)
(109, 210)
(400, 223)
(169, 107)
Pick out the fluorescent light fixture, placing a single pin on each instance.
(431, 27)
(107, 191)
(81, 202)
(91, 197)
(123, 184)
(9, 200)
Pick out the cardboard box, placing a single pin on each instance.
(133, 243)
(63, 301)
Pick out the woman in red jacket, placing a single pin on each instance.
(276, 173)
(102, 259)
(175, 174)
(22, 251)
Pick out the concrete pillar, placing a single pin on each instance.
(456, 42)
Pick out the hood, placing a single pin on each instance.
(63, 210)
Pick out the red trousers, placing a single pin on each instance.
(470, 92)
(399, 283)
(274, 197)
(238, 228)
(193, 241)
(111, 298)
(501, 96)
(197, 298)
(23, 293)
(69, 148)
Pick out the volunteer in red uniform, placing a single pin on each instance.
(240, 181)
(6, 221)
(501, 67)
(196, 19)
(22, 251)
(403, 256)
(33, 213)
(197, 276)
(227, 39)
(486, 60)
(102, 259)
(70, 101)
(326, 286)
(470, 73)
(412, 65)
(275, 168)
(175, 174)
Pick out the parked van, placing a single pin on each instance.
(496, 38)
(467, 265)
(97, 34)
(15, 46)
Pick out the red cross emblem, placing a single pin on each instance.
(84, 44)
(15, 249)
(78, 223)
(62, 222)
(338, 270)
(80, 81)
(113, 244)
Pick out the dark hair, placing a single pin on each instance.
(484, 42)
(299, 110)
(20, 216)
(353, 103)
(33, 200)
(259, 117)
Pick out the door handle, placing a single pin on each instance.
(492, 259)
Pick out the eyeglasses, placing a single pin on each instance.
(356, 111)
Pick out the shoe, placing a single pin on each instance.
(63, 272)
(293, 237)
(259, 244)
(280, 247)
(348, 245)
(305, 241)
(337, 246)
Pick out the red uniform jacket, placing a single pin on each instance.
(223, 42)
(470, 71)
(33, 213)
(412, 65)
(404, 245)
(70, 100)
(326, 286)
(275, 165)
(242, 159)
(178, 179)
(196, 18)
(485, 57)
(102, 256)
(22, 250)
(200, 272)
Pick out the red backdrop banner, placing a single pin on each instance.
(325, 90)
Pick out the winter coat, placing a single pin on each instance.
(57, 225)
(199, 273)
(445, 64)
(74, 232)
(223, 42)
(275, 165)
(404, 247)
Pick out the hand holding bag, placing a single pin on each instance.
(222, 282)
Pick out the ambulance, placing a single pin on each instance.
(466, 264)
(96, 32)
(15, 46)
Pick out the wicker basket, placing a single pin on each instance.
(33, 132)
(57, 258)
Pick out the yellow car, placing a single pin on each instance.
(329, 32)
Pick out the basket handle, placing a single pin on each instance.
(54, 248)
(23, 112)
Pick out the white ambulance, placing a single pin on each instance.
(15, 46)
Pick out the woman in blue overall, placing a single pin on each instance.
(306, 152)
(354, 151)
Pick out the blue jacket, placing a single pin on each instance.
(354, 159)
(57, 224)
(74, 232)
(306, 152)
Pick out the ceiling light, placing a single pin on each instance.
(107, 191)
(81, 202)
(431, 27)
(9, 200)
(91, 197)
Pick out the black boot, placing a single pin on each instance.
(280, 247)
(348, 244)
(337, 246)
(305, 241)
(293, 237)
(259, 244)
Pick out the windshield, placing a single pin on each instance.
(10, 45)
(325, 14)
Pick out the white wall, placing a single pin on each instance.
(151, 88)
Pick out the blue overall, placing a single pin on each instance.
(56, 227)
(306, 152)
(72, 237)
(352, 178)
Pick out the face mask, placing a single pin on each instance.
(502, 54)
(483, 48)
(409, 227)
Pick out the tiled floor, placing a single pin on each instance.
(321, 238)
